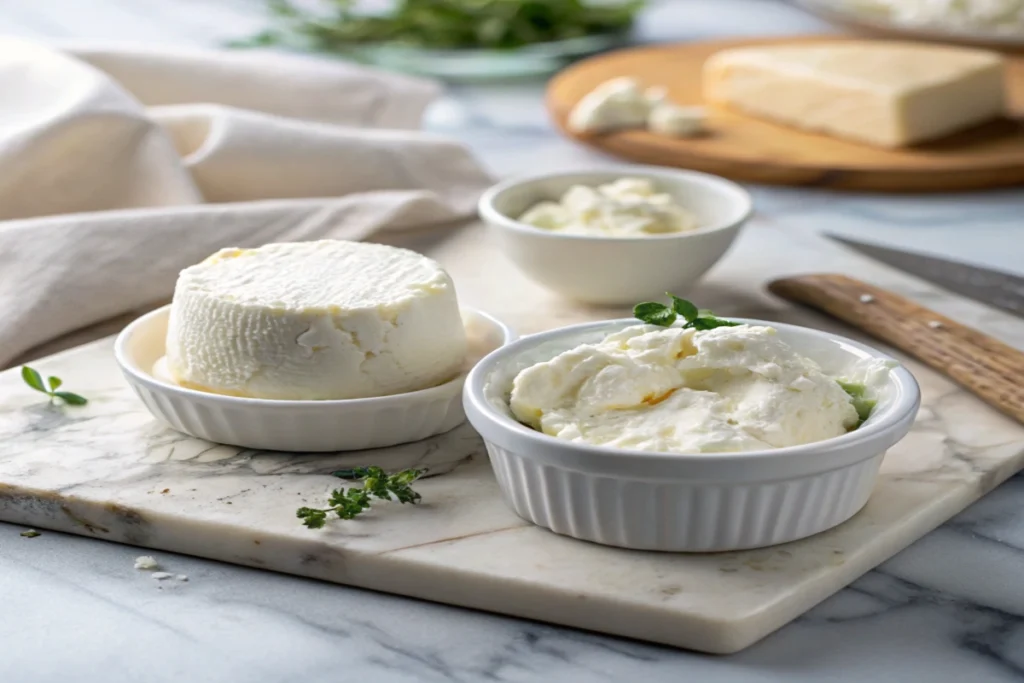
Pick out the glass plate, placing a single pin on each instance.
(472, 64)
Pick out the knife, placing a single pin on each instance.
(995, 288)
(987, 367)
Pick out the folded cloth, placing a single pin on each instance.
(103, 199)
(295, 86)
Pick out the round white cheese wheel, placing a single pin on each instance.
(315, 320)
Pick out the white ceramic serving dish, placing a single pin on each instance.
(867, 19)
(676, 502)
(615, 270)
(298, 426)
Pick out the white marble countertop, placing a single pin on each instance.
(949, 608)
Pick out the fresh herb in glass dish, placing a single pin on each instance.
(444, 24)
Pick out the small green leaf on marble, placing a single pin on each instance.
(70, 398)
(35, 380)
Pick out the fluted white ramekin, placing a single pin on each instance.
(301, 426)
(676, 502)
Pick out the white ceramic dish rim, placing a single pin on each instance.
(880, 432)
(491, 214)
(127, 365)
(836, 12)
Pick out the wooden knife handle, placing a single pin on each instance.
(981, 364)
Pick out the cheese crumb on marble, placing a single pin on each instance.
(683, 391)
(146, 563)
(314, 320)
(162, 576)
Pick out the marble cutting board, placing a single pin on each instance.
(110, 471)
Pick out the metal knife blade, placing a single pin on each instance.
(995, 288)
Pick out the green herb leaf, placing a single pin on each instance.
(684, 308)
(265, 38)
(861, 403)
(854, 389)
(30, 533)
(654, 313)
(348, 474)
(33, 379)
(709, 323)
(353, 501)
(71, 399)
(864, 406)
(311, 517)
(443, 24)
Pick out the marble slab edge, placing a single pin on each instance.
(407, 572)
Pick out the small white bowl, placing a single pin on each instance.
(677, 502)
(299, 426)
(616, 270)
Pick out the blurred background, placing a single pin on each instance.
(385, 31)
(488, 40)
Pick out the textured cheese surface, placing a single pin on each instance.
(886, 94)
(314, 320)
(673, 390)
(627, 207)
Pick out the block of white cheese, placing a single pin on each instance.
(880, 93)
(314, 320)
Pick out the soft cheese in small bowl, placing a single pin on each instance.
(616, 235)
(667, 439)
(313, 346)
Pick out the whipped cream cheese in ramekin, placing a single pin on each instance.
(674, 390)
(627, 207)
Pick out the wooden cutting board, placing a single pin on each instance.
(747, 149)
(109, 471)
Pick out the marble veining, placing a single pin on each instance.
(947, 609)
(111, 471)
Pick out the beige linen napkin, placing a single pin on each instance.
(103, 200)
